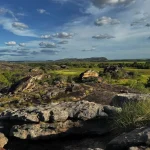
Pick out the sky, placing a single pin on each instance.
(57, 29)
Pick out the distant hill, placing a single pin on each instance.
(92, 59)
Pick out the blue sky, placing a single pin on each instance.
(57, 29)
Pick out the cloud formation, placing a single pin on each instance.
(10, 43)
(63, 35)
(106, 20)
(147, 25)
(4, 11)
(22, 44)
(7, 25)
(20, 25)
(21, 14)
(103, 3)
(140, 21)
(63, 42)
(103, 36)
(47, 45)
(45, 37)
(89, 50)
(47, 51)
(43, 11)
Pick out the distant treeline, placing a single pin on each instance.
(55, 65)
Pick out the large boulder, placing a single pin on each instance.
(120, 99)
(89, 75)
(3, 140)
(137, 137)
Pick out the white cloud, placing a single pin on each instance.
(22, 44)
(106, 20)
(103, 36)
(20, 25)
(4, 11)
(7, 25)
(103, 3)
(43, 11)
(88, 50)
(45, 36)
(21, 14)
(47, 45)
(10, 43)
(63, 35)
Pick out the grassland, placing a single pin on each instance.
(137, 82)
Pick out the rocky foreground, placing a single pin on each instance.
(80, 125)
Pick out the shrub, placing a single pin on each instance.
(70, 79)
(134, 114)
(107, 77)
(148, 82)
(118, 75)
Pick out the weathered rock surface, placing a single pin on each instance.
(3, 140)
(59, 112)
(58, 119)
(42, 130)
(120, 99)
(137, 137)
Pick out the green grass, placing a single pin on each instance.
(141, 71)
(72, 71)
(144, 74)
(134, 114)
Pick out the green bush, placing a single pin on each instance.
(108, 77)
(118, 75)
(134, 114)
(148, 82)
(70, 79)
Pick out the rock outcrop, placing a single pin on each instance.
(27, 83)
(89, 75)
(120, 99)
(57, 120)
